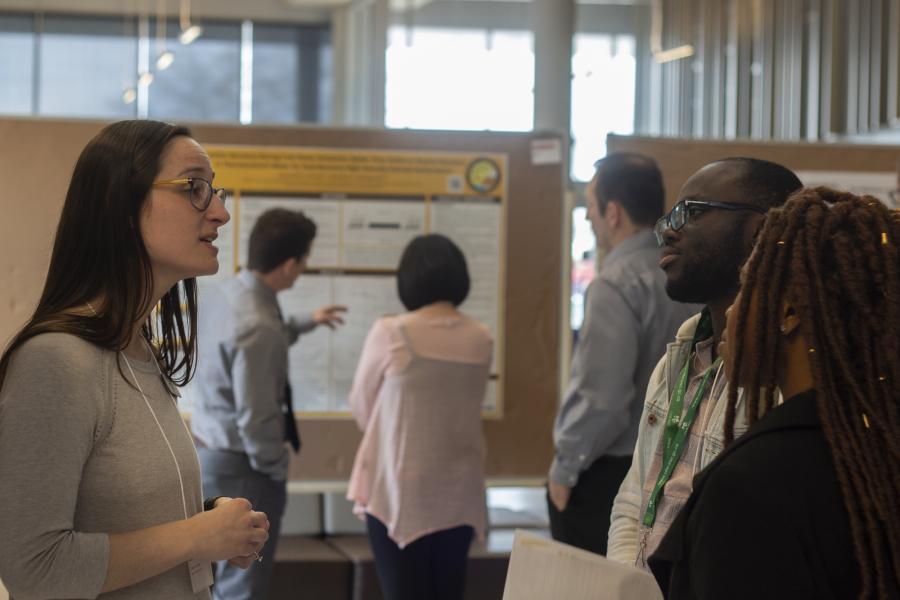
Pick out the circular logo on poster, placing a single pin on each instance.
(483, 175)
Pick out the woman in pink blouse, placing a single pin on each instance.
(418, 477)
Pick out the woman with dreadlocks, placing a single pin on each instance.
(807, 503)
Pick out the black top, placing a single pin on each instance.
(766, 519)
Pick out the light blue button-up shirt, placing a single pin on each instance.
(242, 371)
(629, 319)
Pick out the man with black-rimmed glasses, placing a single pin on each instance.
(705, 239)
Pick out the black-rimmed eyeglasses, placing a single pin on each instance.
(681, 214)
(199, 191)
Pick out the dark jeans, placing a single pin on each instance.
(431, 568)
(585, 521)
(230, 474)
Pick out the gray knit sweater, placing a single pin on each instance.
(82, 457)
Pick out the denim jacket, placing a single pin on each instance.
(625, 518)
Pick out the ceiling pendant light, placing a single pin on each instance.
(145, 78)
(656, 29)
(189, 32)
(166, 57)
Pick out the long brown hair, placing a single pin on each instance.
(836, 257)
(99, 253)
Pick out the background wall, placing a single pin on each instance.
(36, 160)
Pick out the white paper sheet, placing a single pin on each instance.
(540, 569)
(225, 244)
(376, 232)
(324, 213)
(367, 299)
(546, 152)
(476, 228)
(309, 360)
(206, 286)
(490, 405)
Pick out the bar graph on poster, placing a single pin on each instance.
(367, 205)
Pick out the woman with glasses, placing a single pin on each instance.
(100, 482)
(805, 503)
(418, 477)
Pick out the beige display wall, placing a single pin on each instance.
(36, 160)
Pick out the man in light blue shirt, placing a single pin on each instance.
(242, 412)
(629, 319)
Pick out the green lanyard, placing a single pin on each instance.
(676, 432)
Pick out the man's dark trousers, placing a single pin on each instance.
(585, 521)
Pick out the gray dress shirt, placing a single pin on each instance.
(628, 321)
(242, 370)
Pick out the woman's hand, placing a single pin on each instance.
(231, 530)
(244, 562)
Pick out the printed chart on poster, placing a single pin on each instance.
(367, 205)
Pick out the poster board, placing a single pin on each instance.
(869, 167)
(367, 205)
(36, 160)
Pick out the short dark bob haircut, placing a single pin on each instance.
(432, 269)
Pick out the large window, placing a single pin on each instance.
(85, 64)
(291, 74)
(77, 66)
(204, 81)
(484, 79)
(16, 64)
(583, 264)
(459, 79)
(603, 83)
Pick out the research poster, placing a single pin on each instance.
(367, 205)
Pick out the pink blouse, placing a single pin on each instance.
(417, 396)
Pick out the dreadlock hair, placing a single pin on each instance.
(835, 257)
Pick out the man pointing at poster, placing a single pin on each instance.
(242, 412)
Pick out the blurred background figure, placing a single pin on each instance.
(628, 320)
(418, 478)
(243, 412)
